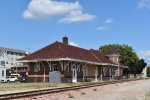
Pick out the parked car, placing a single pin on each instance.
(23, 79)
(11, 79)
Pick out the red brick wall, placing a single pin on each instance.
(66, 76)
(115, 59)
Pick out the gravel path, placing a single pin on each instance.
(122, 91)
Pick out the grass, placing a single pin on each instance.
(147, 96)
(31, 86)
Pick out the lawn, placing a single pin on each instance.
(30, 86)
(147, 96)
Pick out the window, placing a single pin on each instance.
(36, 68)
(12, 76)
(54, 67)
(2, 73)
(7, 62)
(113, 59)
(3, 63)
(8, 52)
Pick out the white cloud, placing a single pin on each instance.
(145, 55)
(143, 4)
(108, 21)
(41, 9)
(45, 9)
(101, 28)
(77, 16)
(73, 44)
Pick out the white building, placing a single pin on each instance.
(144, 72)
(8, 58)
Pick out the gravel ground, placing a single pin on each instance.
(135, 90)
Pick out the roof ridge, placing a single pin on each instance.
(45, 47)
(5, 48)
(95, 56)
(73, 46)
(39, 50)
(2, 51)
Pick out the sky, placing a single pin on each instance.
(33, 24)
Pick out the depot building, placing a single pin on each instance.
(61, 62)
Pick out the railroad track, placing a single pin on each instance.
(56, 90)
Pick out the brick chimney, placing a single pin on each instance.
(65, 40)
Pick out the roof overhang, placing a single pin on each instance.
(68, 59)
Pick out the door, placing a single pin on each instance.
(96, 73)
(74, 75)
(85, 72)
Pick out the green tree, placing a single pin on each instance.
(140, 66)
(128, 56)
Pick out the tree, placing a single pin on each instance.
(148, 71)
(127, 55)
(140, 66)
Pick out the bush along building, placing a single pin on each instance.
(8, 60)
(61, 62)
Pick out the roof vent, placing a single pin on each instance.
(65, 40)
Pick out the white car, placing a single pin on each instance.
(11, 79)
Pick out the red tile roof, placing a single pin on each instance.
(60, 50)
(102, 58)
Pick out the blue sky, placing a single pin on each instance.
(88, 24)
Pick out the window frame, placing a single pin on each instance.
(3, 73)
(36, 68)
(54, 67)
